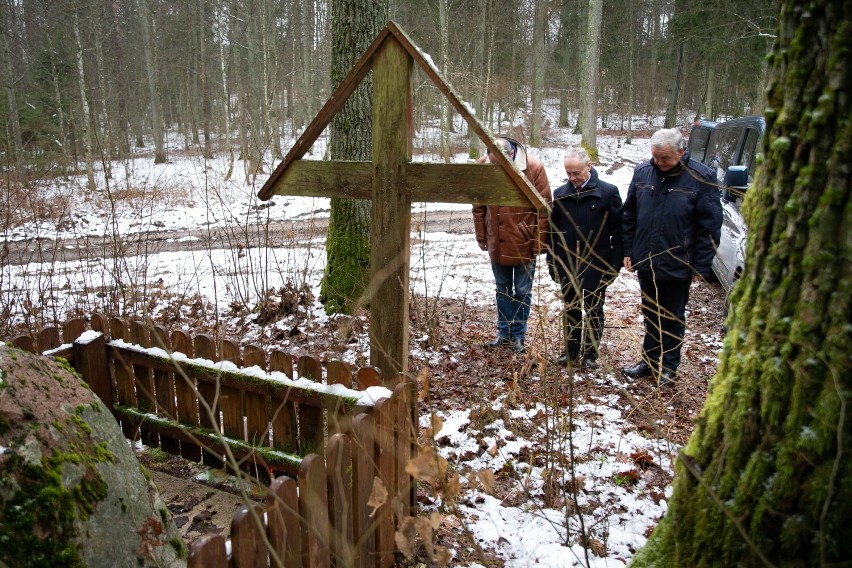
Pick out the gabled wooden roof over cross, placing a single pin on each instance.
(393, 181)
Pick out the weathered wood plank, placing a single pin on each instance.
(385, 543)
(363, 473)
(187, 402)
(311, 423)
(123, 373)
(247, 547)
(144, 379)
(208, 552)
(90, 360)
(282, 512)
(284, 426)
(208, 396)
(391, 224)
(339, 466)
(48, 338)
(72, 329)
(212, 442)
(164, 385)
(231, 397)
(445, 183)
(313, 505)
(236, 379)
(367, 377)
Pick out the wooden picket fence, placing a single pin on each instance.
(336, 463)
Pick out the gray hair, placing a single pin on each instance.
(668, 137)
(578, 153)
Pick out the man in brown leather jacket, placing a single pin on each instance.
(513, 236)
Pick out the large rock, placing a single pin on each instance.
(72, 492)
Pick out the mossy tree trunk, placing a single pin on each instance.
(354, 25)
(766, 478)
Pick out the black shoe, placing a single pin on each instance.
(667, 379)
(589, 364)
(499, 342)
(565, 358)
(640, 369)
(518, 346)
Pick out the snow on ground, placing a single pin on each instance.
(189, 194)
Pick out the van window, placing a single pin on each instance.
(698, 139)
(725, 149)
(750, 151)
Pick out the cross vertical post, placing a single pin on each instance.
(391, 230)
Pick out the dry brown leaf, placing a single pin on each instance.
(424, 529)
(427, 466)
(486, 478)
(622, 457)
(406, 537)
(437, 423)
(492, 451)
(436, 519)
(378, 496)
(452, 488)
(424, 380)
(442, 555)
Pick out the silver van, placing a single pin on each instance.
(731, 148)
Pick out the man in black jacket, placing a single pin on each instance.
(584, 255)
(672, 219)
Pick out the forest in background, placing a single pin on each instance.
(89, 81)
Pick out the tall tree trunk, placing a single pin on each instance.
(11, 95)
(766, 478)
(205, 85)
(673, 92)
(563, 57)
(483, 62)
(630, 65)
(590, 79)
(107, 147)
(354, 24)
(446, 110)
(539, 66)
(86, 120)
(149, 47)
(226, 92)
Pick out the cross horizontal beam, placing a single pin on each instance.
(445, 183)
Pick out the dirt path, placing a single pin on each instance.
(276, 233)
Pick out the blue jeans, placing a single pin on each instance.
(514, 292)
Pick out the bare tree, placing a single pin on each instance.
(590, 79)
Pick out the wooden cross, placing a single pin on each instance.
(393, 181)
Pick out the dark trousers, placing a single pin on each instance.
(664, 310)
(583, 335)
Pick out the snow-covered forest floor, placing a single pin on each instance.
(557, 467)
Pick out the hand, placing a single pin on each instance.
(483, 246)
(628, 264)
(697, 279)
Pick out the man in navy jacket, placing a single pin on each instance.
(584, 254)
(671, 223)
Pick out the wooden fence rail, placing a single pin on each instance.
(232, 406)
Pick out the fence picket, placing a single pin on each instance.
(72, 329)
(164, 387)
(385, 544)
(187, 402)
(205, 348)
(247, 547)
(124, 378)
(145, 401)
(311, 426)
(283, 521)
(313, 505)
(257, 413)
(339, 467)
(48, 338)
(208, 552)
(231, 399)
(24, 342)
(363, 473)
(338, 373)
(369, 377)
